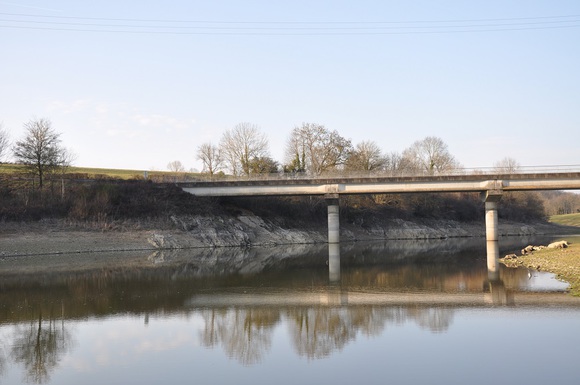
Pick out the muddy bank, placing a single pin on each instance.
(57, 237)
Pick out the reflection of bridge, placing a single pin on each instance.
(338, 297)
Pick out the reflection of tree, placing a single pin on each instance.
(320, 331)
(244, 333)
(2, 360)
(38, 348)
(371, 321)
(435, 319)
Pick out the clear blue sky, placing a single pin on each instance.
(137, 84)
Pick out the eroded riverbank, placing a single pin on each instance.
(57, 237)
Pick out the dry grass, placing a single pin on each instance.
(105, 172)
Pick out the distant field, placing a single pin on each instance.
(92, 172)
(566, 219)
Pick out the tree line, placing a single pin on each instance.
(313, 149)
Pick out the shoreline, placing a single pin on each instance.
(562, 262)
(59, 238)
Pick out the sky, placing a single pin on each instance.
(138, 84)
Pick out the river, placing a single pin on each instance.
(402, 312)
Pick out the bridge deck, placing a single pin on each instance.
(378, 184)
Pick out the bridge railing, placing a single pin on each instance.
(346, 174)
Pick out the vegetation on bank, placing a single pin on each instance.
(565, 263)
(104, 196)
(566, 219)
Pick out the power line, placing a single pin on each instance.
(205, 27)
(295, 22)
(544, 23)
(288, 33)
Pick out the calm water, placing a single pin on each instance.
(393, 312)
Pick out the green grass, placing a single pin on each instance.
(566, 219)
(10, 168)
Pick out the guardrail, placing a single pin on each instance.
(343, 174)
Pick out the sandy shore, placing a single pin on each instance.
(66, 242)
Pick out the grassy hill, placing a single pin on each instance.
(566, 219)
(99, 172)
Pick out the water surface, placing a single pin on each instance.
(381, 312)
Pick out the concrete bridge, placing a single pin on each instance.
(490, 186)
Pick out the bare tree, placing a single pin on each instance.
(430, 156)
(4, 142)
(393, 163)
(315, 149)
(66, 159)
(211, 158)
(40, 151)
(367, 156)
(175, 166)
(242, 144)
(506, 166)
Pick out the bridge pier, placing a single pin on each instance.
(333, 219)
(492, 198)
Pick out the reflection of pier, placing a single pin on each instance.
(494, 290)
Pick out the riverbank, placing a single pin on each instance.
(565, 263)
(246, 230)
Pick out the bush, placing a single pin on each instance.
(98, 200)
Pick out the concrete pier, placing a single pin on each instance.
(492, 199)
(491, 222)
(333, 221)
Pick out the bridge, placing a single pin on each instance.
(490, 186)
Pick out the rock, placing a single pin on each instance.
(530, 248)
(527, 249)
(161, 241)
(510, 256)
(558, 245)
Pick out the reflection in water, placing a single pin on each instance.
(39, 346)
(2, 358)
(334, 262)
(245, 334)
(324, 298)
(317, 332)
(494, 286)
